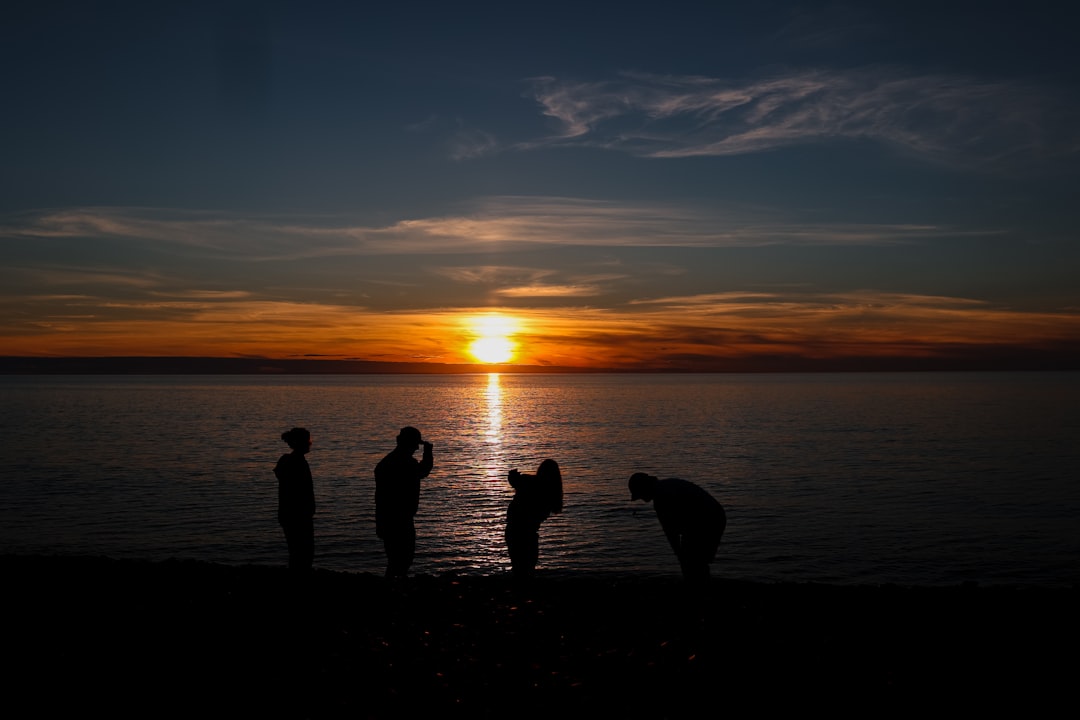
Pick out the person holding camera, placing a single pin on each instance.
(536, 497)
(397, 498)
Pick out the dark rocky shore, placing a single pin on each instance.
(128, 638)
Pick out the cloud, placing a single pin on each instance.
(549, 291)
(467, 144)
(491, 274)
(524, 282)
(942, 118)
(860, 299)
(668, 332)
(110, 277)
(506, 223)
(866, 317)
(205, 235)
(496, 223)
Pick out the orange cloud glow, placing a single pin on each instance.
(695, 332)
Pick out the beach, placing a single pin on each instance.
(186, 638)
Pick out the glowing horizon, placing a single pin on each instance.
(675, 333)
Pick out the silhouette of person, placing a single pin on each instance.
(535, 497)
(692, 519)
(397, 498)
(296, 500)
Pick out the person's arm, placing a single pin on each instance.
(671, 530)
(672, 516)
(310, 489)
(523, 481)
(427, 461)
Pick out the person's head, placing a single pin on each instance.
(549, 474)
(549, 469)
(299, 439)
(409, 438)
(642, 486)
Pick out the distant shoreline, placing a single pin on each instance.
(136, 365)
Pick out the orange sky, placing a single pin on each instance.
(678, 333)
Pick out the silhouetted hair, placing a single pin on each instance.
(296, 438)
(551, 478)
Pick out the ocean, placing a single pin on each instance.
(908, 478)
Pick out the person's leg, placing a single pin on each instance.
(294, 542)
(408, 550)
(305, 539)
(390, 545)
(533, 550)
(290, 543)
(694, 558)
(513, 549)
(518, 545)
(400, 546)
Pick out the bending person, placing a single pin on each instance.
(536, 497)
(692, 519)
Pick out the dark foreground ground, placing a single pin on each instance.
(93, 636)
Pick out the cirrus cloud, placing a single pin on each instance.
(945, 118)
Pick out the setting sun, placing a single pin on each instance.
(492, 350)
(493, 343)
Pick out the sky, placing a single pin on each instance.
(678, 186)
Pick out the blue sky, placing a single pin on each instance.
(684, 186)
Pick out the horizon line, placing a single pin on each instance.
(212, 365)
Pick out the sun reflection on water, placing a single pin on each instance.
(494, 408)
(478, 493)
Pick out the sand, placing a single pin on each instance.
(180, 638)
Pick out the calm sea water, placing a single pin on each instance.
(922, 479)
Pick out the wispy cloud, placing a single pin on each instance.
(467, 144)
(866, 316)
(943, 118)
(52, 276)
(549, 291)
(494, 275)
(505, 223)
(500, 223)
(525, 282)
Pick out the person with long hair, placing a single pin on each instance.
(535, 498)
(296, 500)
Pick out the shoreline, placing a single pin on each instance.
(149, 638)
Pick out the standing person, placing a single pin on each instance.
(397, 497)
(692, 519)
(296, 500)
(536, 497)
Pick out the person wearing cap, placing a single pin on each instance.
(692, 519)
(397, 498)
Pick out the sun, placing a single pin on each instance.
(492, 344)
(492, 349)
